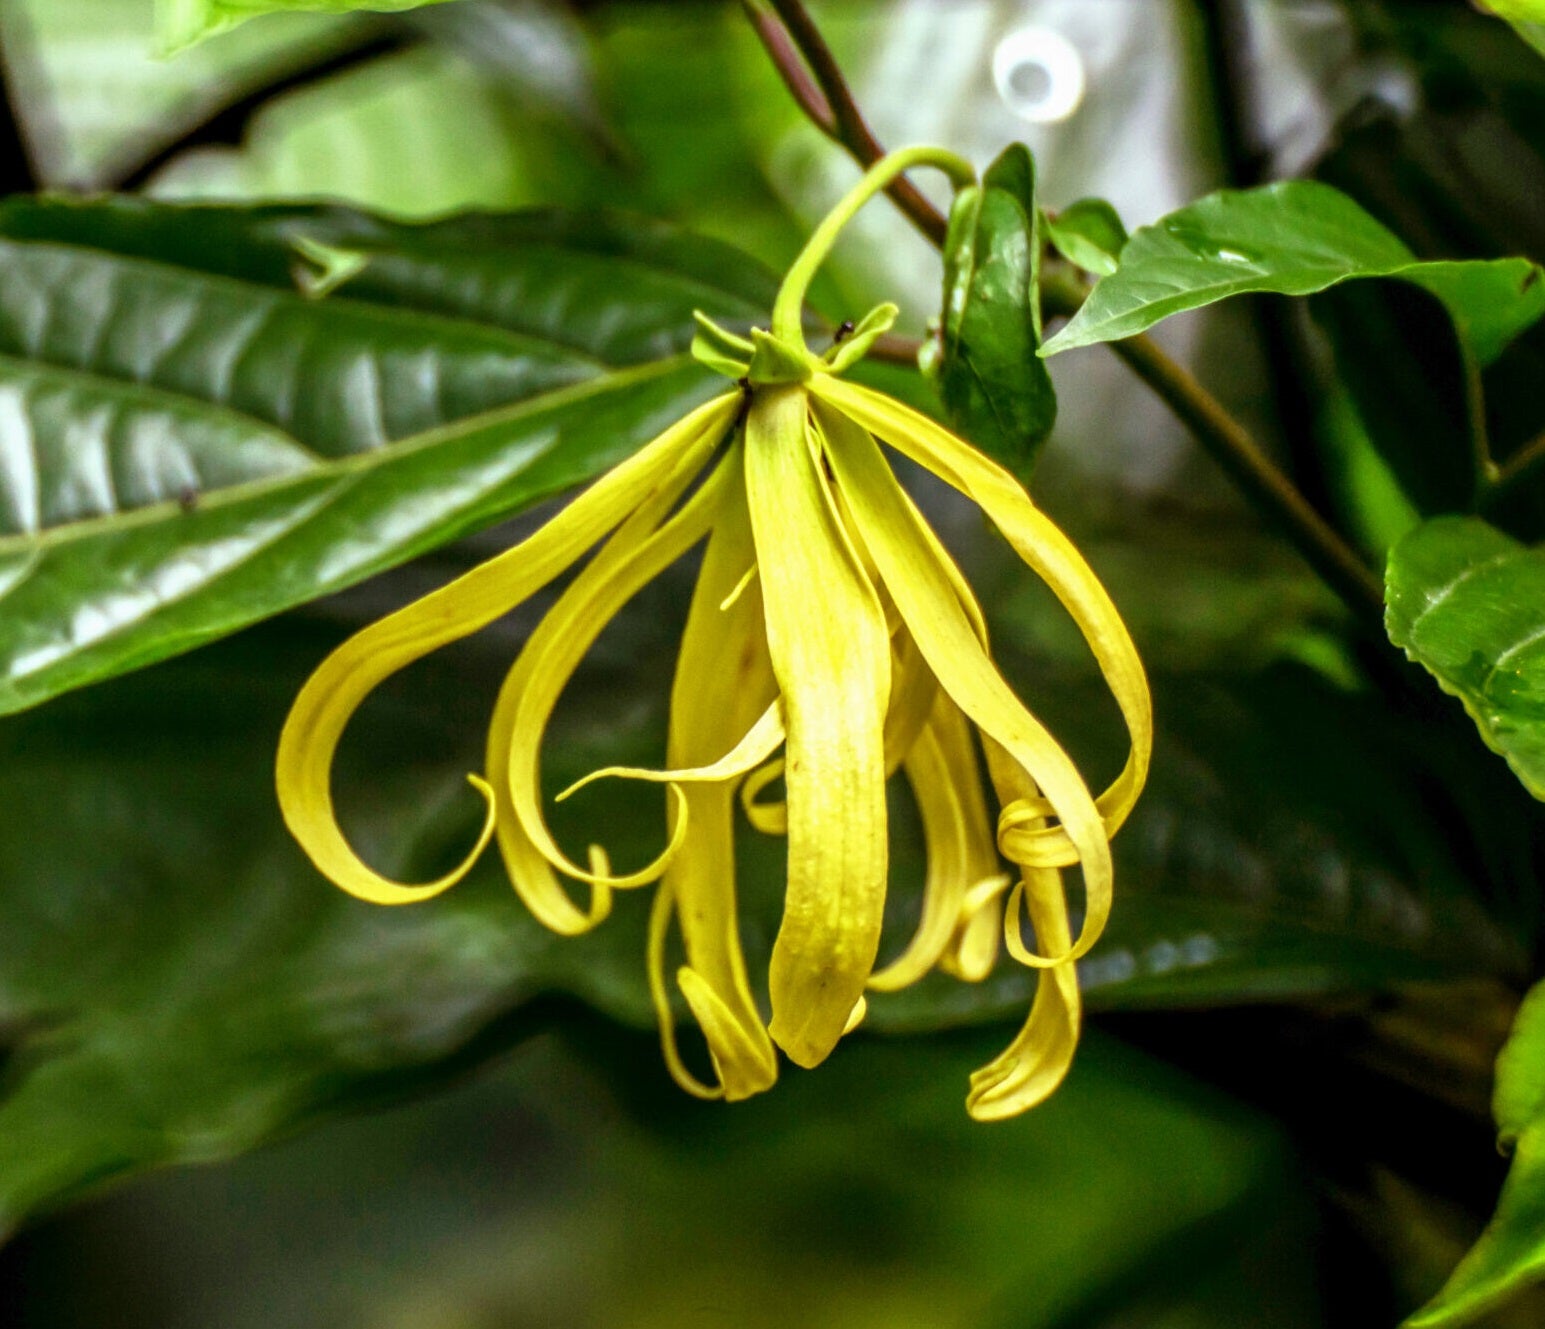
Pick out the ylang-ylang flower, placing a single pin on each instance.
(831, 642)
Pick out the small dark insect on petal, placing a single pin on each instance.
(843, 332)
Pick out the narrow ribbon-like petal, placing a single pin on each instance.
(962, 857)
(1038, 541)
(723, 675)
(1036, 1062)
(926, 596)
(316, 722)
(831, 654)
(640, 550)
(912, 692)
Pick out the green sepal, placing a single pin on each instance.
(775, 361)
(855, 346)
(718, 349)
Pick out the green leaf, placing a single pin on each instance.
(1089, 234)
(1467, 603)
(996, 390)
(1511, 1251)
(188, 444)
(1526, 16)
(181, 23)
(1295, 237)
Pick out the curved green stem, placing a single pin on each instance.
(786, 322)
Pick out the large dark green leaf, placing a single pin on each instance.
(996, 389)
(1468, 603)
(1296, 237)
(188, 444)
(1511, 1252)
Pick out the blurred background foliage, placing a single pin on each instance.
(1329, 897)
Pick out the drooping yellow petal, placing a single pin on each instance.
(303, 770)
(831, 654)
(912, 693)
(723, 675)
(1037, 540)
(639, 551)
(924, 593)
(1036, 1062)
(963, 871)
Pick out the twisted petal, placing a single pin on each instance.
(831, 655)
(723, 676)
(639, 551)
(931, 607)
(1050, 554)
(964, 877)
(317, 720)
(1035, 1063)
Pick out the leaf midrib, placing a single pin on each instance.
(344, 467)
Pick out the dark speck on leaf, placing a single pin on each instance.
(187, 498)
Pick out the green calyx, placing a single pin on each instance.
(781, 356)
(765, 359)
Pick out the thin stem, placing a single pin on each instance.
(1522, 463)
(800, 54)
(895, 349)
(790, 303)
(775, 37)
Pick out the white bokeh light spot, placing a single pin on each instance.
(1039, 74)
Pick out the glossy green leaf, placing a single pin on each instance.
(1467, 602)
(180, 23)
(1089, 234)
(1295, 237)
(995, 388)
(188, 443)
(1511, 1251)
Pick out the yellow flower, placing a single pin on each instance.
(831, 641)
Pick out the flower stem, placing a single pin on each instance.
(1226, 440)
(791, 296)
